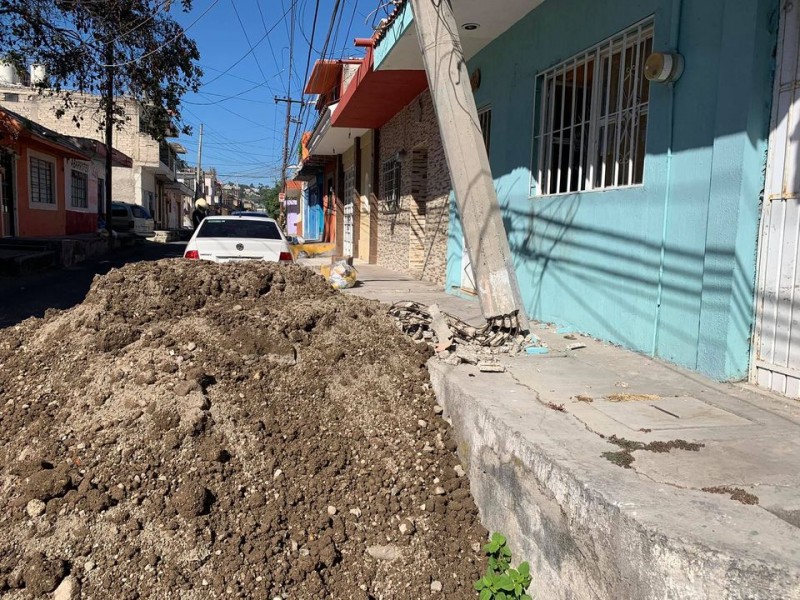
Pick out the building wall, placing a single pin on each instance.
(82, 220)
(667, 267)
(38, 220)
(365, 205)
(82, 120)
(414, 239)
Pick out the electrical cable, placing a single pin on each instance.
(164, 45)
(247, 39)
(246, 54)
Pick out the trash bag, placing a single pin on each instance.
(342, 275)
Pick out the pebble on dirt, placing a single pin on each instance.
(169, 472)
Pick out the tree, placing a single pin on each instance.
(154, 61)
(269, 199)
(113, 49)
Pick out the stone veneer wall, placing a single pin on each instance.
(414, 239)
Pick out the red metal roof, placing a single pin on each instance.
(373, 97)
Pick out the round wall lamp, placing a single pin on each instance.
(471, 26)
(663, 67)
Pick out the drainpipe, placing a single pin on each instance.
(674, 38)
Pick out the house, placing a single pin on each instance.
(338, 167)
(629, 161)
(151, 182)
(52, 185)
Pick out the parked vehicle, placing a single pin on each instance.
(131, 218)
(235, 238)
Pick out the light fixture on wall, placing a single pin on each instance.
(400, 155)
(470, 26)
(663, 67)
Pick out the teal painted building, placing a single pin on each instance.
(648, 241)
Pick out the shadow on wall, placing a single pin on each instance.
(611, 282)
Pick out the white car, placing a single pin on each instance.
(132, 218)
(235, 238)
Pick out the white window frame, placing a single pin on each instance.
(85, 205)
(53, 187)
(589, 131)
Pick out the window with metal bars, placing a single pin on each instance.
(593, 111)
(485, 121)
(42, 184)
(349, 185)
(390, 185)
(80, 189)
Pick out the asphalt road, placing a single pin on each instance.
(31, 295)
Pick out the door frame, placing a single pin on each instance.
(9, 179)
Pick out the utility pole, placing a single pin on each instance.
(471, 176)
(109, 55)
(285, 167)
(282, 215)
(198, 183)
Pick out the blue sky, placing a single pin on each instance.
(243, 135)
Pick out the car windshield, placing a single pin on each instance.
(139, 212)
(239, 228)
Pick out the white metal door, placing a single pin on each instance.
(775, 362)
(349, 196)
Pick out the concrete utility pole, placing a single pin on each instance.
(198, 186)
(109, 123)
(467, 160)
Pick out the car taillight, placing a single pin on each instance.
(192, 255)
(285, 257)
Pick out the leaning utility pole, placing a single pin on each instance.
(109, 54)
(484, 232)
(199, 170)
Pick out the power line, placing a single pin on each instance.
(252, 48)
(305, 108)
(164, 45)
(247, 39)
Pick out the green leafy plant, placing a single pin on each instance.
(501, 582)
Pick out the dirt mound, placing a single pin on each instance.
(197, 431)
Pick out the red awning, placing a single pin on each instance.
(374, 97)
(324, 76)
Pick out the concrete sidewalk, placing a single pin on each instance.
(620, 517)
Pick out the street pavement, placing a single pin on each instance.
(30, 295)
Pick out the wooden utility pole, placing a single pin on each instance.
(198, 184)
(109, 123)
(482, 223)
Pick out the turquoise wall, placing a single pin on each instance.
(594, 260)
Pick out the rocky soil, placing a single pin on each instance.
(199, 431)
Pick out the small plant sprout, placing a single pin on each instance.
(501, 582)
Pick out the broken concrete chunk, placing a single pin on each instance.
(444, 336)
(490, 367)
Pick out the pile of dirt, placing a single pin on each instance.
(197, 431)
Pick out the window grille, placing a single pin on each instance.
(349, 185)
(485, 120)
(42, 181)
(80, 189)
(390, 185)
(593, 116)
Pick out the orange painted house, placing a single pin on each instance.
(50, 184)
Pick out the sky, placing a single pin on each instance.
(243, 127)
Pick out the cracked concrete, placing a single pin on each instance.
(592, 529)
